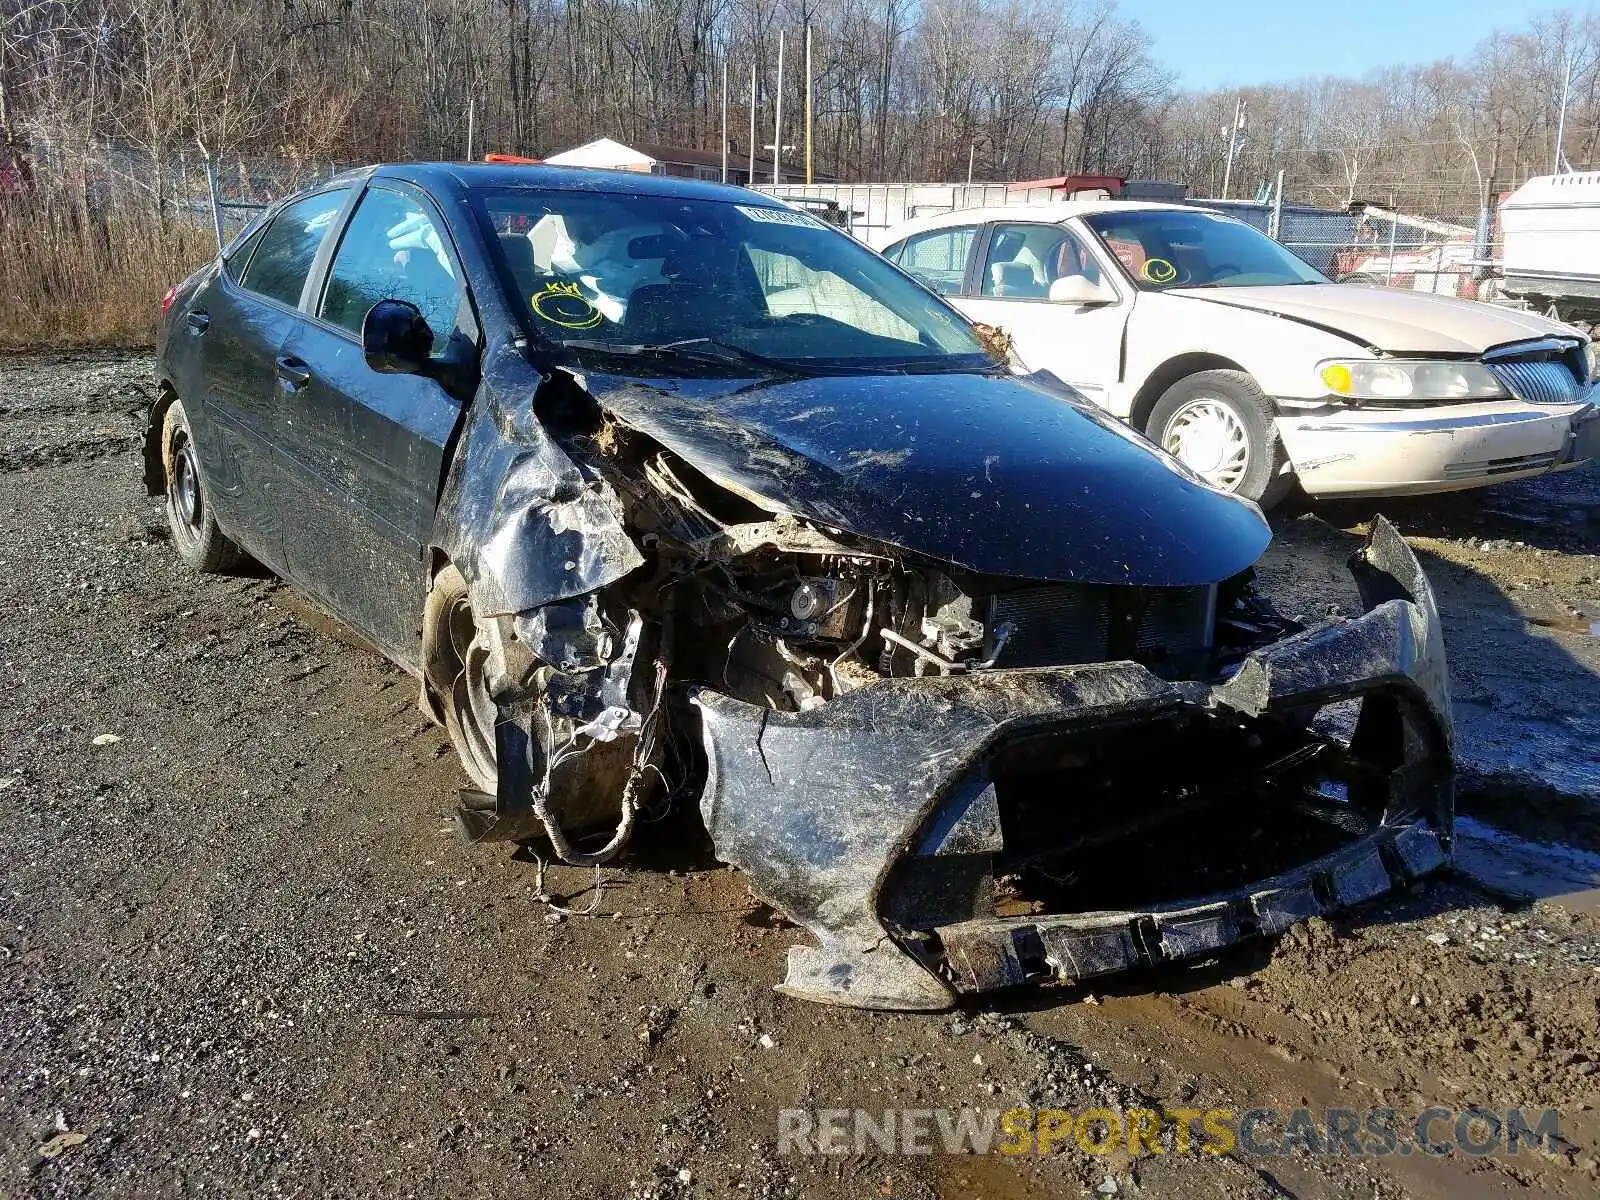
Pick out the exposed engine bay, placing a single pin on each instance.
(955, 779)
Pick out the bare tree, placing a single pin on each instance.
(904, 89)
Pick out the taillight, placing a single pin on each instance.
(166, 301)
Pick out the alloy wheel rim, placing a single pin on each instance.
(1208, 437)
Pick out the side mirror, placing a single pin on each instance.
(396, 339)
(1079, 290)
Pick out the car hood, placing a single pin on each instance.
(1386, 319)
(994, 473)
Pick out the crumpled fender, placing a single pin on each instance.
(521, 521)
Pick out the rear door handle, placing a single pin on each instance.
(294, 372)
(199, 320)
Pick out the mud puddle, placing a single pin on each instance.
(1516, 867)
(1573, 622)
(1516, 575)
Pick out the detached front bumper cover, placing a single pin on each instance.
(819, 807)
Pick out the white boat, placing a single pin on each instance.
(1551, 235)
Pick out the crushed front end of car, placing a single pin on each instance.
(965, 831)
(975, 706)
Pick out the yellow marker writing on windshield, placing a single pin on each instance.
(1158, 270)
(562, 304)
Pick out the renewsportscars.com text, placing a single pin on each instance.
(1254, 1131)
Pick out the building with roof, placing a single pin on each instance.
(678, 161)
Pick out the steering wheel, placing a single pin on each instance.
(1223, 270)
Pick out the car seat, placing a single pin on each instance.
(519, 256)
(1015, 279)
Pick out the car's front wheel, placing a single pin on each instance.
(1219, 425)
(455, 679)
(199, 539)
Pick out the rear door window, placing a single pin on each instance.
(285, 252)
(938, 258)
(236, 261)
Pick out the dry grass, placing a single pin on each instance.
(71, 279)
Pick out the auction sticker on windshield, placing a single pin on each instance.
(778, 216)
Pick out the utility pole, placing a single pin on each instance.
(1233, 141)
(808, 104)
(1561, 119)
(724, 120)
(472, 112)
(972, 154)
(750, 179)
(777, 116)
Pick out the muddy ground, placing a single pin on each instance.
(242, 952)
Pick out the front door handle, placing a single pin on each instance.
(294, 372)
(199, 320)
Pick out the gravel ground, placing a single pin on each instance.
(242, 952)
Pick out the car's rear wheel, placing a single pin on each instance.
(456, 687)
(1219, 424)
(198, 538)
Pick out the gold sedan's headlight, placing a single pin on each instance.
(1409, 379)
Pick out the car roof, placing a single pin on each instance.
(469, 176)
(1051, 212)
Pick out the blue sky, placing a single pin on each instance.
(1220, 44)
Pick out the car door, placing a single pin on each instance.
(369, 450)
(1010, 289)
(238, 326)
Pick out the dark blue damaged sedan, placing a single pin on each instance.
(670, 494)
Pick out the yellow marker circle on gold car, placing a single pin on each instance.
(562, 304)
(1158, 270)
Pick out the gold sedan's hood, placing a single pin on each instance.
(1388, 319)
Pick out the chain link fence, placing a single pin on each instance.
(1444, 255)
(91, 236)
(1372, 246)
(178, 203)
(222, 193)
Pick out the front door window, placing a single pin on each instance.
(1024, 260)
(392, 250)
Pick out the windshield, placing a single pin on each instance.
(1163, 249)
(598, 271)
